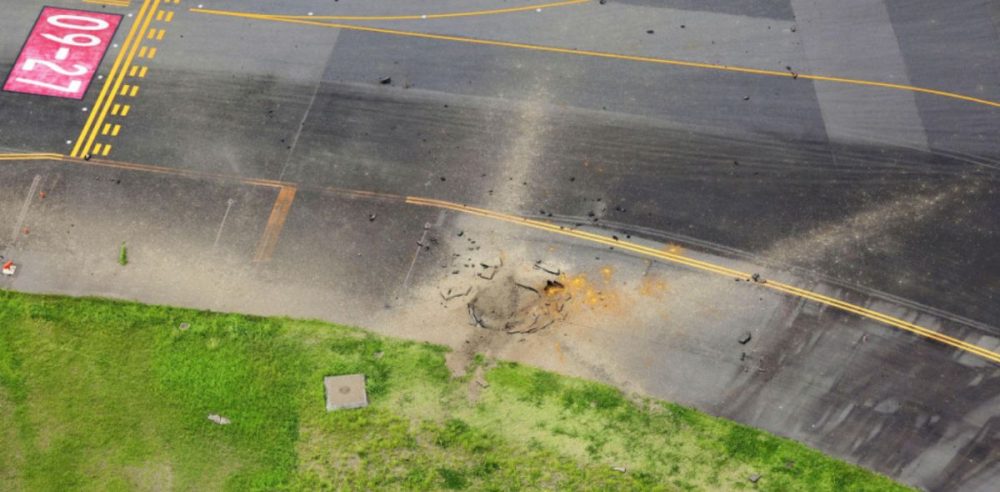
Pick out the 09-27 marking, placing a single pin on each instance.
(62, 53)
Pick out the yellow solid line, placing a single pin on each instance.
(125, 109)
(144, 20)
(601, 54)
(778, 286)
(282, 204)
(30, 156)
(434, 16)
(159, 35)
(109, 82)
(114, 131)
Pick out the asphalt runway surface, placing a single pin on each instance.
(276, 158)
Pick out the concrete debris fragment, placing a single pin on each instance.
(526, 287)
(545, 267)
(495, 262)
(219, 419)
(754, 477)
(476, 320)
(451, 293)
(385, 80)
(619, 469)
(745, 338)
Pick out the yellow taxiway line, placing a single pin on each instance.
(113, 79)
(607, 55)
(447, 15)
(287, 194)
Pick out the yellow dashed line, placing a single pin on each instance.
(133, 71)
(170, 16)
(114, 131)
(152, 52)
(135, 90)
(97, 148)
(159, 15)
(142, 52)
(107, 150)
(124, 90)
(152, 33)
(142, 72)
(125, 109)
(114, 109)
(159, 35)
(107, 129)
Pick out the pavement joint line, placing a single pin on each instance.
(108, 82)
(445, 15)
(280, 213)
(275, 223)
(608, 55)
(144, 18)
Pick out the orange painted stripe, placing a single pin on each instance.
(275, 223)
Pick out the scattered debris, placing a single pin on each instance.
(745, 338)
(649, 31)
(385, 80)
(746, 98)
(619, 469)
(9, 268)
(219, 419)
(754, 477)
(755, 277)
(371, 217)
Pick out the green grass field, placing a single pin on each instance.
(105, 395)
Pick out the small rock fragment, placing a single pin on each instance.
(219, 419)
(745, 338)
(385, 80)
(754, 477)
